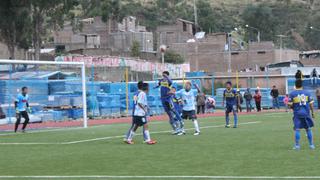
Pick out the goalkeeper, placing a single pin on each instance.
(22, 109)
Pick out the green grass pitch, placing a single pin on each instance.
(261, 146)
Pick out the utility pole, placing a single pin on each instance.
(229, 53)
(281, 45)
(196, 27)
(195, 14)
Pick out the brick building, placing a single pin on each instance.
(310, 58)
(211, 54)
(97, 34)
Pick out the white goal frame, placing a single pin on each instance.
(83, 78)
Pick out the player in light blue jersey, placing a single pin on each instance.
(189, 106)
(302, 105)
(140, 116)
(22, 109)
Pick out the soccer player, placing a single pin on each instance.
(22, 109)
(189, 108)
(177, 102)
(166, 99)
(230, 97)
(178, 105)
(302, 104)
(140, 85)
(140, 116)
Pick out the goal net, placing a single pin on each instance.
(57, 94)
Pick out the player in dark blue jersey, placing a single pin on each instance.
(302, 105)
(166, 99)
(177, 102)
(230, 98)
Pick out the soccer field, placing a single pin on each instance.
(261, 146)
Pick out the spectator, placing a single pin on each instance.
(299, 75)
(239, 101)
(210, 104)
(314, 75)
(286, 101)
(248, 97)
(257, 99)
(2, 115)
(318, 97)
(275, 94)
(201, 102)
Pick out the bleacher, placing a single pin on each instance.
(61, 99)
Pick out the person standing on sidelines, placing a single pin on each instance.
(201, 103)
(318, 97)
(257, 98)
(22, 109)
(275, 95)
(286, 101)
(248, 98)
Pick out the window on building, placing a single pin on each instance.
(184, 26)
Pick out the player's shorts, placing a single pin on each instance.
(189, 114)
(167, 104)
(178, 108)
(140, 120)
(231, 108)
(302, 123)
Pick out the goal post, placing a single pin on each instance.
(78, 69)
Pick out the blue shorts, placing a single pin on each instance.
(167, 104)
(231, 108)
(302, 123)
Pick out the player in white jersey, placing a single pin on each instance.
(189, 106)
(140, 112)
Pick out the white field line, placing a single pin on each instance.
(32, 131)
(114, 137)
(158, 177)
(158, 132)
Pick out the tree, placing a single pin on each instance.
(173, 57)
(312, 35)
(260, 16)
(135, 49)
(14, 25)
(45, 15)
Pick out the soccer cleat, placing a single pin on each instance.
(181, 133)
(227, 126)
(151, 142)
(235, 126)
(176, 132)
(196, 133)
(129, 142)
(296, 147)
(312, 147)
(23, 131)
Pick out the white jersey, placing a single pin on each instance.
(140, 99)
(188, 98)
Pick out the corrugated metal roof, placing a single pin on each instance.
(37, 75)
